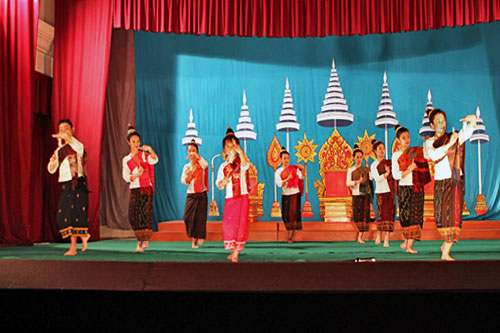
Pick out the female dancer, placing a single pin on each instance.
(72, 209)
(385, 190)
(447, 150)
(289, 177)
(138, 170)
(359, 180)
(233, 176)
(411, 169)
(195, 175)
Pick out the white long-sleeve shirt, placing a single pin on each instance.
(126, 173)
(397, 173)
(285, 189)
(229, 186)
(350, 182)
(64, 167)
(381, 184)
(442, 169)
(190, 189)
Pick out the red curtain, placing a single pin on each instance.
(18, 26)
(299, 18)
(81, 53)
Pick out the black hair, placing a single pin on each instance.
(432, 113)
(400, 130)
(283, 152)
(357, 150)
(193, 143)
(376, 144)
(67, 121)
(229, 136)
(131, 132)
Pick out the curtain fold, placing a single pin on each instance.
(299, 18)
(18, 27)
(44, 185)
(120, 110)
(81, 53)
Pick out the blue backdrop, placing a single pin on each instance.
(177, 72)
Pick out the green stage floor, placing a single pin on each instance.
(123, 250)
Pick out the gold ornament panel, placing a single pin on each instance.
(335, 154)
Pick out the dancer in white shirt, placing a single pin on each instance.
(195, 176)
(447, 150)
(72, 209)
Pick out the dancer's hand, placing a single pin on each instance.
(471, 118)
(53, 158)
(412, 167)
(301, 167)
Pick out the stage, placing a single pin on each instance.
(263, 267)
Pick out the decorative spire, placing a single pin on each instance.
(191, 132)
(288, 119)
(334, 111)
(386, 117)
(245, 128)
(426, 130)
(479, 135)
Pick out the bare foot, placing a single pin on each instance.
(230, 257)
(361, 241)
(290, 241)
(84, 242)
(403, 246)
(377, 240)
(139, 249)
(145, 245)
(442, 247)
(200, 241)
(411, 251)
(386, 244)
(194, 246)
(234, 259)
(447, 258)
(70, 252)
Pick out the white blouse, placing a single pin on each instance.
(204, 166)
(229, 186)
(350, 182)
(381, 184)
(279, 182)
(442, 169)
(396, 172)
(126, 174)
(64, 167)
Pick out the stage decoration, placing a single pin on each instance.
(386, 117)
(288, 119)
(213, 210)
(480, 137)
(426, 130)
(334, 111)
(306, 150)
(366, 145)
(274, 160)
(335, 157)
(245, 128)
(255, 195)
(191, 132)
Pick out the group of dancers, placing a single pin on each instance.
(403, 178)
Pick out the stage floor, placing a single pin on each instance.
(124, 250)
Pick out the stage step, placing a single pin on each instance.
(273, 231)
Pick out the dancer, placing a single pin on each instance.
(411, 169)
(447, 150)
(289, 177)
(195, 175)
(72, 209)
(233, 176)
(386, 193)
(359, 181)
(138, 170)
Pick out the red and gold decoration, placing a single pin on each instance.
(256, 195)
(366, 145)
(306, 150)
(213, 210)
(335, 157)
(274, 160)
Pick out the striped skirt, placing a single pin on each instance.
(448, 205)
(361, 211)
(386, 209)
(140, 213)
(411, 211)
